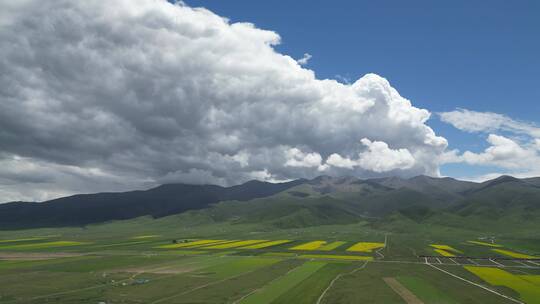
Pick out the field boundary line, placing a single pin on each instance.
(477, 285)
(493, 261)
(472, 261)
(378, 251)
(521, 263)
(337, 278)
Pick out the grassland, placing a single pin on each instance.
(138, 262)
(283, 284)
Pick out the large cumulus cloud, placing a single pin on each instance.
(97, 95)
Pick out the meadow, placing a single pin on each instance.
(141, 262)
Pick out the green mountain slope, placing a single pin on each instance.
(321, 201)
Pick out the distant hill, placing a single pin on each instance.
(299, 203)
(501, 197)
(161, 201)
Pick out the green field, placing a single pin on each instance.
(170, 261)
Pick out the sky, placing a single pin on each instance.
(95, 97)
(475, 55)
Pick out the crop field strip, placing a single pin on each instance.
(426, 290)
(444, 253)
(484, 244)
(236, 289)
(331, 246)
(491, 290)
(223, 273)
(527, 286)
(23, 240)
(136, 242)
(336, 257)
(139, 237)
(365, 247)
(272, 291)
(313, 245)
(402, 291)
(192, 244)
(43, 245)
(260, 244)
(234, 244)
(513, 254)
(445, 250)
(266, 244)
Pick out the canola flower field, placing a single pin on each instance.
(528, 286)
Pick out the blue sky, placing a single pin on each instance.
(477, 55)
(101, 96)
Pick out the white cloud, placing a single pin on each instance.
(337, 160)
(505, 153)
(517, 153)
(537, 143)
(297, 158)
(147, 91)
(378, 158)
(266, 176)
(472, 121)
(305, 59)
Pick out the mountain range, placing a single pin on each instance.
(298, 203)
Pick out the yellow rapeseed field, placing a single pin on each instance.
(513, 254)
(314, 245)
(365, 247)
(234, 244)
(44, 245)
(445, 247)
(336, 257)
(266, 244)
(528, 291)
(531, 278)
(23, 240)
(190, 244)
(484, 244)
(444, 253)
(331, 246)
(279, 254)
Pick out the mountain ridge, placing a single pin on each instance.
(310, 201)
